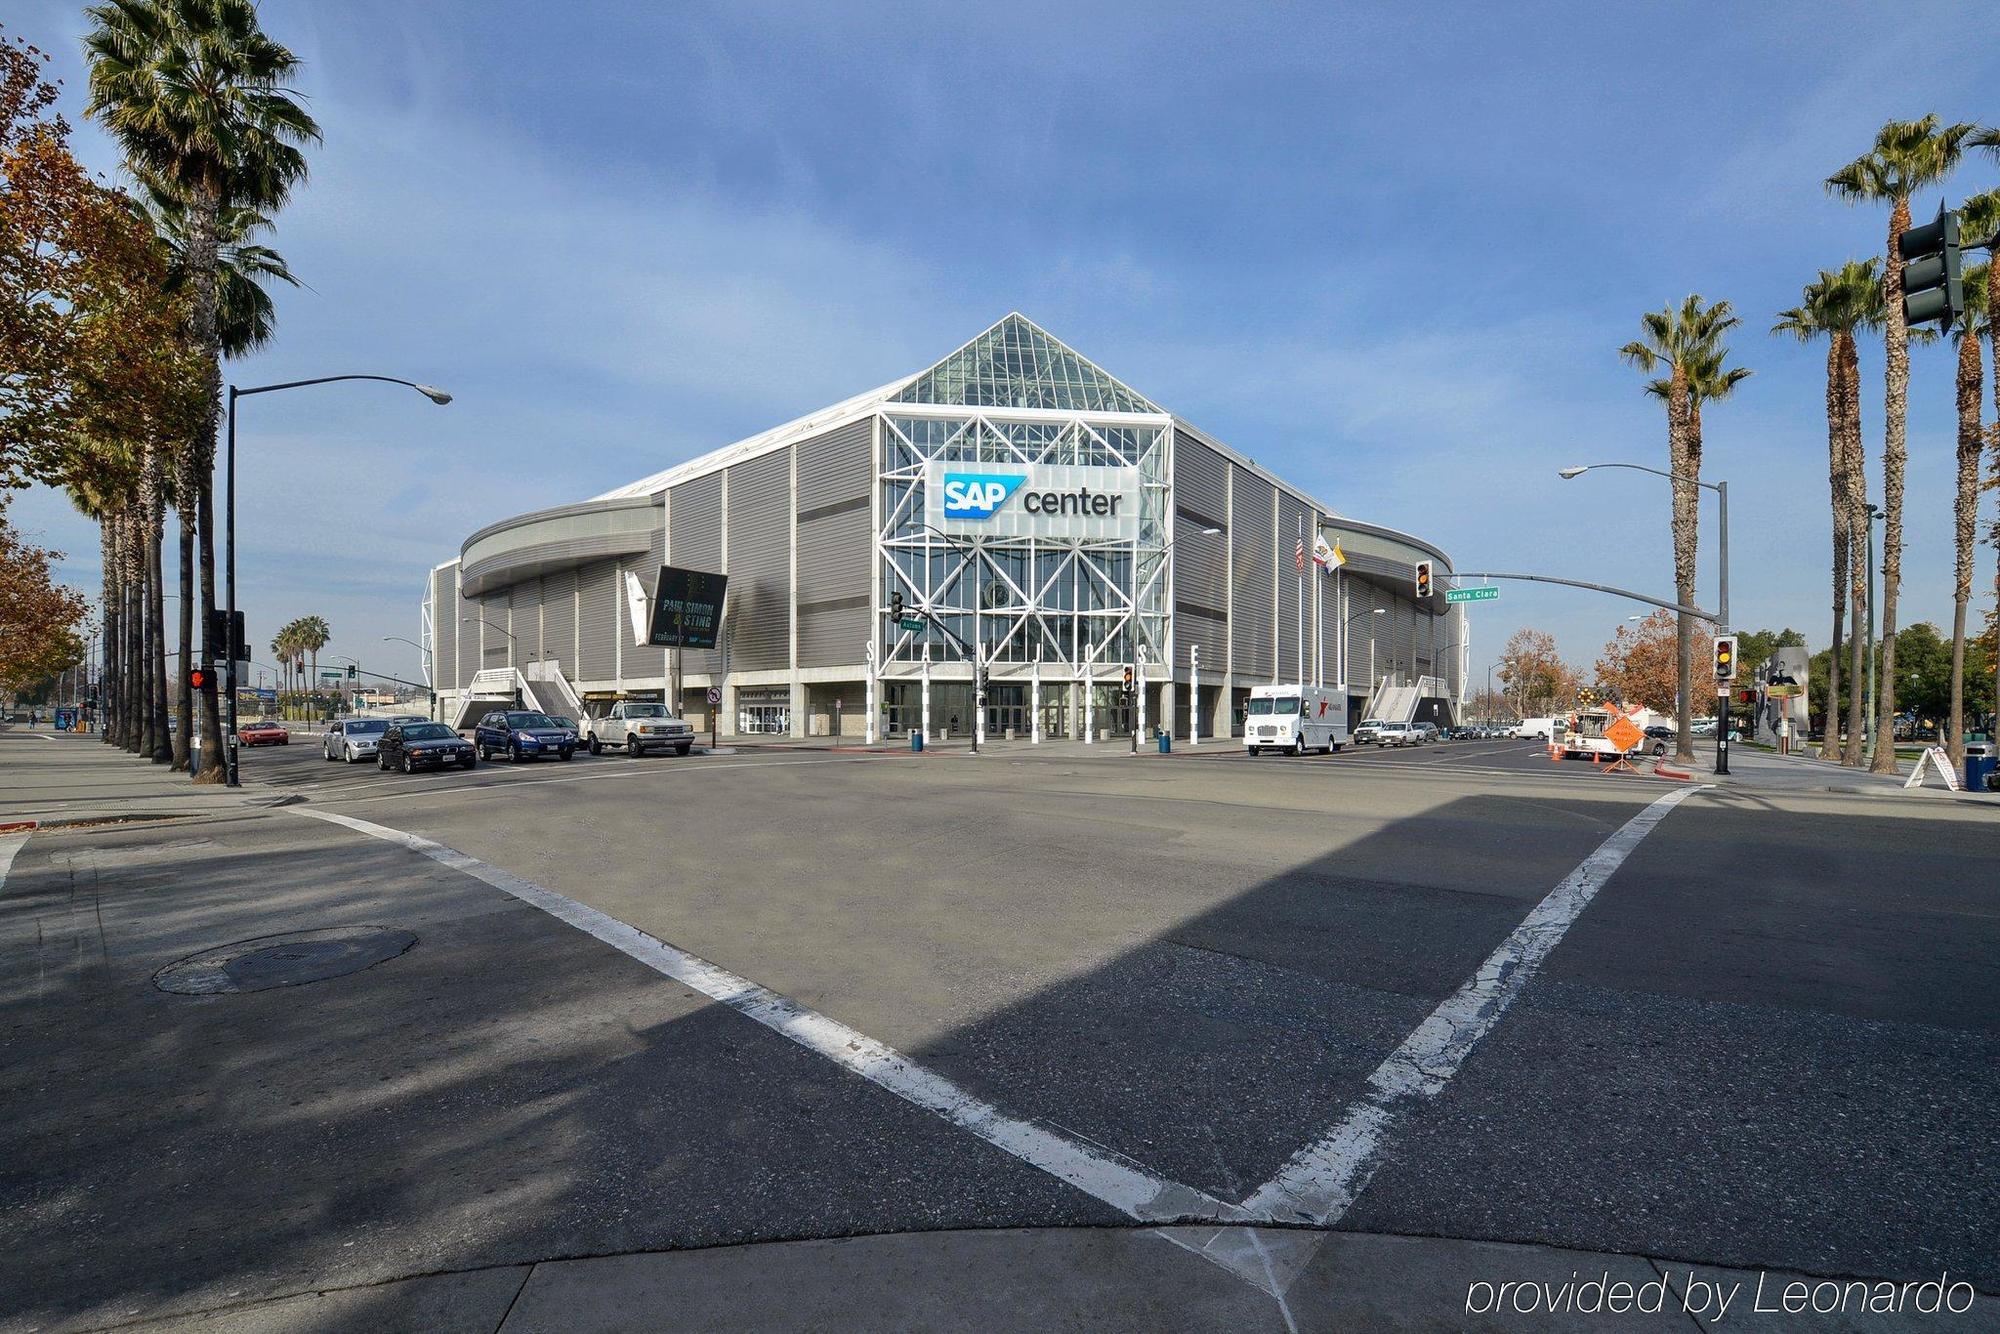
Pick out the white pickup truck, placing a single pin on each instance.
(638, 727)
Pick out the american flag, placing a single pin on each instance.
(1299, 555)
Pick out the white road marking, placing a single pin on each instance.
(1320, 1182)
(1097, 1171)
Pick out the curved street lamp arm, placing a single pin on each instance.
(1568, 473)
(434, 394)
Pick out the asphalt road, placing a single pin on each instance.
(1769, 1040)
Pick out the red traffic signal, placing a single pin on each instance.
(197, 678)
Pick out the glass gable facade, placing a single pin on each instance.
(1016, 365)
(1083, 607)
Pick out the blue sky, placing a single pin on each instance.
(1388, 254)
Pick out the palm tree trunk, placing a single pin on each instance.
(1679, 435)
(1836, 454)
(183, 696)
(134, 684)
(199, 257)
(1895, 456)
(107, 708)
(156, 646)
(1965, 515)
(1857, 549)
(212, 766)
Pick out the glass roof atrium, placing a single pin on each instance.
(1016, 365)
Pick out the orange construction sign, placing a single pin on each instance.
(1623, 733)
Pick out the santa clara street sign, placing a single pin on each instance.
(1471, 594)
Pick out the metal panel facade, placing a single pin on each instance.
(760, 587)
(1293, 525)
(836, 466)
(559, 619)
(597, 590)
(694, 514)
(526, 600)
(444, 628)
(1252, 549)
(836, 548)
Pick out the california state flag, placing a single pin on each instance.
(1327, 557)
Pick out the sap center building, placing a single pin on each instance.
(1012, 501)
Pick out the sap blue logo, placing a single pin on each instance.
(978, 495)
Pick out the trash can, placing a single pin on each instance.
(917, 740)
(1977, 768)
(1166, 742)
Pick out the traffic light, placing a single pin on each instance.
(353, 670)
(1725, 657)
(230, 647)
(1423, 579)
(198, 678)
(896, 606)
(1128, 681)
(1933, 285)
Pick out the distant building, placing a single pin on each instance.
(1013, 496)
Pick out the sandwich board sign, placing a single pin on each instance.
(1933, 758)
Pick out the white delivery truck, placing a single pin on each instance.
(1530, 728)
(1295, 719)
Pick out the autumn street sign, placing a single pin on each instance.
(1487, 594)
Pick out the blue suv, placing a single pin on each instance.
(522, 736)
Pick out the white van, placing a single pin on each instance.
(1530, 728)
(1295, 719)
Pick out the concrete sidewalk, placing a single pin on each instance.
(1755, 770)
(49, 777)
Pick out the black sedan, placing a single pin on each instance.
(414, 746)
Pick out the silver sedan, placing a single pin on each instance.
(353, 739)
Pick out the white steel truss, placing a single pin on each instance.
(1084, 605)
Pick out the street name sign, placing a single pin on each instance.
(1471, 594)
(912, 623)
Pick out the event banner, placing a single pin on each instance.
(687, 608)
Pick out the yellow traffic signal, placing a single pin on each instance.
(1423, 579)
(1725, 657)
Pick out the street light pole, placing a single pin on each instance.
(1868, 715)
(430, 663)
(1721, 490)
(435, 395)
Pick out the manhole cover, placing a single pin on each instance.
(290, 960)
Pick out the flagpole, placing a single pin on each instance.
(1300, 561)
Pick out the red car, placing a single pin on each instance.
(263, 734)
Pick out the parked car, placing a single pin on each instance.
(1397, 734)
(264, 732)
(1365, 734)
(639, 726)
(521, 735)
(352, 739)
(1659, 738)
(423, 745)
(1426, 732)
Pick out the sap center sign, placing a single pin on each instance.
(1067, 502)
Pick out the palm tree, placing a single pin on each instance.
(1989, 139)
(195, 95)
(313, 636)
(244, 319)
(1979, 218)
(1687, 341)
(1841, 301)
(1907, 156)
